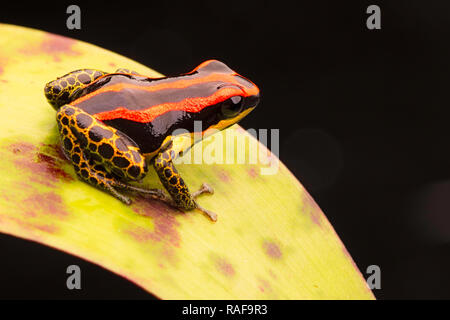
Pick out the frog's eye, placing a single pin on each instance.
(232, 107)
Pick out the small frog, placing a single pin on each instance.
(113, 125)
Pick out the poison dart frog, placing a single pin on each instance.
(112, 126)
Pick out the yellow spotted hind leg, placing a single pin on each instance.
(101, 155)
(174, 184)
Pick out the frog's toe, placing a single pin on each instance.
(204, 188)
(207, 187)
(117, 194)
(210, 214)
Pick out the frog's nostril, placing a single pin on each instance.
(252, 101)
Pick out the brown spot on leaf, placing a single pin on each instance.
(22, 147)
(53, 45)
(272, 274)
(140, 234)
(163, 219)
(272, 249)
(32, 226)
(264, 285)
(223, 176)
(53, 166)
(224, 267)
(35, 204)
(46, 228)
(29, 213)
(112, 64)
(164, 231)
(44, 168)
(3, 63)
(37, 169)
(45, 203)
(253, 172)
(311, 207)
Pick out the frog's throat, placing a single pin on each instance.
(183, 142)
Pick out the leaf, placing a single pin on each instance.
(271, 240)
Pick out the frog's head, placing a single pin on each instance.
(230, 96)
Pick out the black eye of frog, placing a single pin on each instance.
(232, 107)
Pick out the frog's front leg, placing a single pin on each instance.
(101, 155)
(174, 184)
(59, 92)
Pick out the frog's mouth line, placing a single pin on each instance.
(226, 123)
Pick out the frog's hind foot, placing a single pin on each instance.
(154, 193)
(116, 194)
(210, 214)
(204, 188)
(174, 184)
(160, 195)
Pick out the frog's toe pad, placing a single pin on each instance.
(204, 188)
(207, 188)
(210, 214)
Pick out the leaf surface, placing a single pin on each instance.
(271, 240)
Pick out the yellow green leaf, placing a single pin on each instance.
(271, 240)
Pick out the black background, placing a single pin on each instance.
(362, 116)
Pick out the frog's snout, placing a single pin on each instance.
(251, 90)
(252, 100)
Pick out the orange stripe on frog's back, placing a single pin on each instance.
(189, 105)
